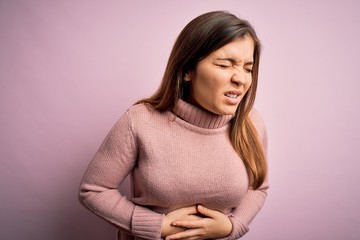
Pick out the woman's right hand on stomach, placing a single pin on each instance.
(185, 213)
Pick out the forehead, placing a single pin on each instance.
(241, 49)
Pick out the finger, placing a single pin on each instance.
(194, 238)
(192, 217)
(191, 224)
(191, 210)
(207, 212)
(191, 233)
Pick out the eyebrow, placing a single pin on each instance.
(233, 61)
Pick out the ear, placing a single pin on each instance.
(187, 76)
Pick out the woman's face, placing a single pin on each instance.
(221, 80)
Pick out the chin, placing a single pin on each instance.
(230, 113)
(227, 111)
(223, 109)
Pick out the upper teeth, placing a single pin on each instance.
(231, 95)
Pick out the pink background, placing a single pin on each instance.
(69, 69)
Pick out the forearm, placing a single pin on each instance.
(108, 204)
(116, 209)
(99, 192)
(242, 216)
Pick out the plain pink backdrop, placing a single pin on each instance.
(69, 69)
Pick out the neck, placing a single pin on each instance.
(199, 116)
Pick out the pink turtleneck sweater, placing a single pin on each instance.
(175, 159)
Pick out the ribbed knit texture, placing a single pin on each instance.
(175, 159)
(200, 118)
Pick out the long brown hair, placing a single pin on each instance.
(203, 35)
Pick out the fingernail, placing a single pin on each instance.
(174, 224)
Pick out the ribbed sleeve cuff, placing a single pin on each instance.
(146, 224)
(238, 230)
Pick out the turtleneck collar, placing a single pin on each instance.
(200, 117)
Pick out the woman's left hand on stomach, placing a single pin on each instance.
(213, 224)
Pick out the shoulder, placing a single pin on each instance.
(144, 115)
(142, 112)
(140, 109)
(133, 114)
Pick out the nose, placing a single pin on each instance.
(238, 78)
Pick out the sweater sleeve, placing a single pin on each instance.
(99, 192)
(253, 201)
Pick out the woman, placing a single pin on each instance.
(195, 149)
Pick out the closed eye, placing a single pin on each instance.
(249, 70)
(222, 66)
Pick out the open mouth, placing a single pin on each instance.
(231, 95)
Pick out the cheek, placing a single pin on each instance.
(211, 83)
(207, 86)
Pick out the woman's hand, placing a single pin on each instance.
(181, 214)
(213, 224)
